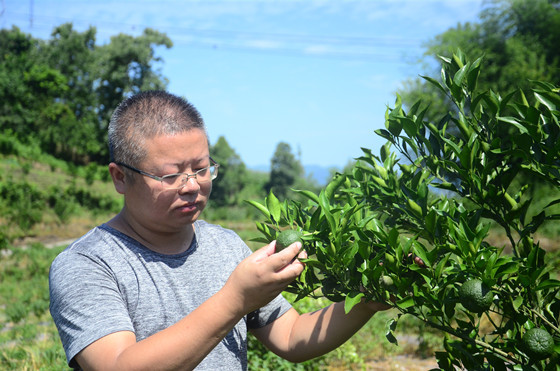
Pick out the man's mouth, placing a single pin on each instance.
(188, 207)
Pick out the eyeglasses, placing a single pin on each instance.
(179, 180)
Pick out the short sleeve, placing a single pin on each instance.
(85, 302)
(269, 313)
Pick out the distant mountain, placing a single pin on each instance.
(320, 173)
(261, 168)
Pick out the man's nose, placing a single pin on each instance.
(191, 185)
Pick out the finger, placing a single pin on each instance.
(265, 251)
(286, 256)
(292, 269)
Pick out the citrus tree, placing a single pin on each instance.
(437, 198)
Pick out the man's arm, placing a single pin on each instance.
(256, 281)
(298, 338)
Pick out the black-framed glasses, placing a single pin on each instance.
(179, 180)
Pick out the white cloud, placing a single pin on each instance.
(317, 49)
(263, 44)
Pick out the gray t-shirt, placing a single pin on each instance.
(107, 282)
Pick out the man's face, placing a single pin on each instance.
(162, 210)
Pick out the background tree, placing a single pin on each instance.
(519, 42)
(70, 122)
(26, 83)
(60, 93)
(232, 175)
(127, 66)
(285, 170)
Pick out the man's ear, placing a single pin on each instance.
(118, 176)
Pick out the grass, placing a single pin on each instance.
(28, 337)
(65, 187)
(44, 175)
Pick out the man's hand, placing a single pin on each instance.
(262, 276)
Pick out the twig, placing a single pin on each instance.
(475, 341)
(545, 320)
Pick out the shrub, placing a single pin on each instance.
(455, 179)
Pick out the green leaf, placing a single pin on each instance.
(316, 219)
(273, 205)
(311, 195)
(514, 122)
(507, 268)
(411, 144)
(326, 207)
(434, 82)
(548, 284)
(394, 126)
(385, 151)
(333, 186)
(393, 237)
(430, 221)
(389, 328)
(441, 266)
(421, 252)
(517, 302)
(351, 300)
(492, 102)
(270, 234)
(546, 100)
(446, 185)
(460, 75)
(406, 302)
(260, 207)
(409, 127)
(473, 74)
(454, 146)
(385, 134)
(260, 240)
(476, 101)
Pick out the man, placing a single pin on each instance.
(157, 288)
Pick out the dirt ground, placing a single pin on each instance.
(395, 363)
(402, 363)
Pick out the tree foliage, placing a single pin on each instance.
(362, 230)
(519, 41)
(285, 170)
(61, 92)
(233, 175)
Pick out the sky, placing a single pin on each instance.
(318, 75)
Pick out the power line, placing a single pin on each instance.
(292, 44)
(220, 33)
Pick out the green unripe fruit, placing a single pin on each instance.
(389, 259)
(386, 282)
(475, 296)
(286, 238)
(538, 343)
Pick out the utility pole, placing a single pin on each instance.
(30, 14)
